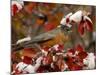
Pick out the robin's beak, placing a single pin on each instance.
(66, 27)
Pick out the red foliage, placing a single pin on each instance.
(46, 48)
(73, 64)
(61, 47)
(81, 28)
(67, 20)
(79, 48)
(85, 25)
(82, 55)
(14, 9)
(89, 26)
(71, 51)
(27, 60)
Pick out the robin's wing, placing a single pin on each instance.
(40, 38)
